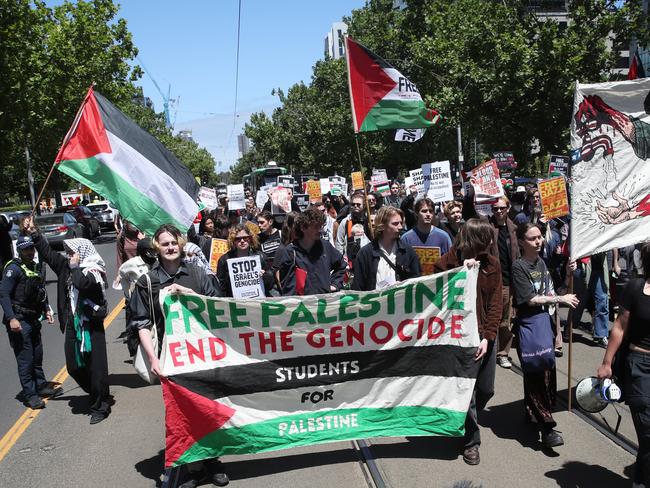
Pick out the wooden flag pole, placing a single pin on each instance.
(67, 137)
(365, 192)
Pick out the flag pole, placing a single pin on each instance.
(365, 192)
(569, 325)
(66, 139)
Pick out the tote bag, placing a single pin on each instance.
(141, 361)
(536, 342)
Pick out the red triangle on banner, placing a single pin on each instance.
(87, 137)
(188, 418)
(369, 83)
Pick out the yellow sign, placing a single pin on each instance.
(312, 188)
(555, 202)
(428, 257)
(218, 248)
(357, 180)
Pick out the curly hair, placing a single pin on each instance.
(309, 217)
(449, 206)
(236, 229)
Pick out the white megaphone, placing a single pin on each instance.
(594, 395)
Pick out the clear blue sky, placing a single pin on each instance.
(192, 45)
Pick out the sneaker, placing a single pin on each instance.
(552, 438)
(35, 403)
(601, 341)
(97, 417)
(217, 473)
(504, 362)
(471, 456)
(49, 392)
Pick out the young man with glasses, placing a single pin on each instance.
(506, 248)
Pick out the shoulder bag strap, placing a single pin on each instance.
(152, 310)
(390, 263)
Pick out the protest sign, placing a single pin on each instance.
(416, 174)
(245, 277)
(505, 160)
(208, 197)
(357, 180)
(324, 186)
(286, 181)
(280, 200)
(302, 200)
(559, 164)
(312, 188)
(262, 196)
(236, 197)
(428, 257)
(259, 375)
(338, 186)
(486, 182)
(436, 178)
(409, 135)
(610, 173)
(218, 247)
(553, 194)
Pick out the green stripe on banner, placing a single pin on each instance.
(113, 187)
(396, 114)
(312, 428)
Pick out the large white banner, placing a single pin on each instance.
(610, 138)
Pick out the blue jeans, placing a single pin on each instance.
(601, 301)
(28, 349)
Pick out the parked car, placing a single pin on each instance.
(57, 227)
(105, 213)
(83, 216)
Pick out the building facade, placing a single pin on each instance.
(334, 42)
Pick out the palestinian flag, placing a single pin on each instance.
(377, 375)
(113, 156)
(636, 69)
(381, 96)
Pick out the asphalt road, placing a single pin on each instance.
(58, 447)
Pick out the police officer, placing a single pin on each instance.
(24, 302)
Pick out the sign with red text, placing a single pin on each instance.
(246, 376)
(218, 247)
(553, 194)
(428, 257)
(486, 182)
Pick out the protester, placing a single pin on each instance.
(453, 211)
(82, 308)
(175, 276)
(591, 281)
(506, 248)
(269, 237)
(353, 233)
(6, 246)
(24, 302)
(242, 243)
(206, 226)
(532, 209)
(135, 267)
(387, 259)
(310, 265)
(394, 199)
(127, 242)
(630, 337)
(327, 232)
(425, 234)
(532, 295)
(287, 236)
(194, 255)
(471, 248)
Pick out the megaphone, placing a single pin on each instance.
(594, 395)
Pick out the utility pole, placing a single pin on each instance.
(461, 159)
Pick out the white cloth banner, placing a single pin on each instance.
(610, 140)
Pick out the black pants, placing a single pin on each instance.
(28, 349)
(92, 377)
(638, 398)
(483, 391)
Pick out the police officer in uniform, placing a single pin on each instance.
(24, 302)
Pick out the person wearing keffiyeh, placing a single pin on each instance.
(81, 306)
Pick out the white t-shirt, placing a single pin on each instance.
(385, 272)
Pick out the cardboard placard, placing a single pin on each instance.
(312, 188)
(208, 197)
(281, 199)
(559, 164)
(245, 279)
(505, 160)
(436, 179)
(357, 180)
(218, 247)
(486, 182)
(416, 175)
(553, 194)
(302, 200)
(236, 197)
(428, 257)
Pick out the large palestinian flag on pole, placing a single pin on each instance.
(381, 96)
(113, 156)
(274, 373)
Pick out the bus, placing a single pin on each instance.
(260, 177)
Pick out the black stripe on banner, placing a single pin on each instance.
(327, 369)
(151, 148)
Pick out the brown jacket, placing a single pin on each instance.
(489, 301)
(513, 244)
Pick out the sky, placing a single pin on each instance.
(192, 46)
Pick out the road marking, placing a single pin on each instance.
(28, 416)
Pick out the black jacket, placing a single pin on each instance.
(22, 297)
(324, 265)
(89, 288)
(367, 261)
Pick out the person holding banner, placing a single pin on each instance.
(533, 294)
(630, 338)
(309, 265)
(176, 276)
(242, 243)
(471, 247)
(387, 259)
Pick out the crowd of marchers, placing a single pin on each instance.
(362, 241)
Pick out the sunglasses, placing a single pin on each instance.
(496, 209)
(244, 238)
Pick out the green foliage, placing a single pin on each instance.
(504, 75)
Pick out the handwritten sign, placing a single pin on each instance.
(555, 202)
(218, 247)
(486, 182)
(428, 257)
